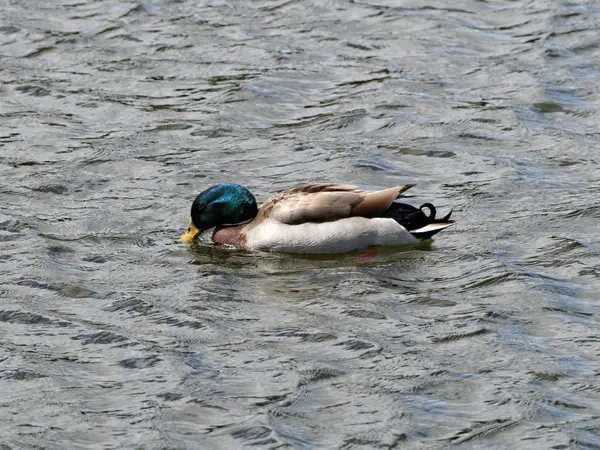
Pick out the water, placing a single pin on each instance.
(115, 114)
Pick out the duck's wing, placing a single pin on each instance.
(327, 202)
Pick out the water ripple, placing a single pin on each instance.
(115, 114)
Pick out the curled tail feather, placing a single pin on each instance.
(422, 226)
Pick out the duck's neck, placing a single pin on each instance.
(229, 235)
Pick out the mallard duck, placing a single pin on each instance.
(315, 218)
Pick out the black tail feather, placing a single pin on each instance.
(408, 216)
(415, 219)
(446, 218)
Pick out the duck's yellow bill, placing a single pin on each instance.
(191, 234)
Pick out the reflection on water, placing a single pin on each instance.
(116, 114)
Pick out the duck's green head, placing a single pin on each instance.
(223, 204)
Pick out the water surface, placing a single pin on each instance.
(115, 114)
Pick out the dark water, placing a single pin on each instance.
(114, 114)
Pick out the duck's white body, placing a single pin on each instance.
(343, 235)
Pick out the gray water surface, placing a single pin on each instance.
(115, 114)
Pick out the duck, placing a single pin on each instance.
(312, 218)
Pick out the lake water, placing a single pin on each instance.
(115, 114)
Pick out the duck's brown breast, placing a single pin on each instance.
(229, 236)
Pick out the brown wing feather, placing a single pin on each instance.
(321, 187)
(376, 202)
(327, 202)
